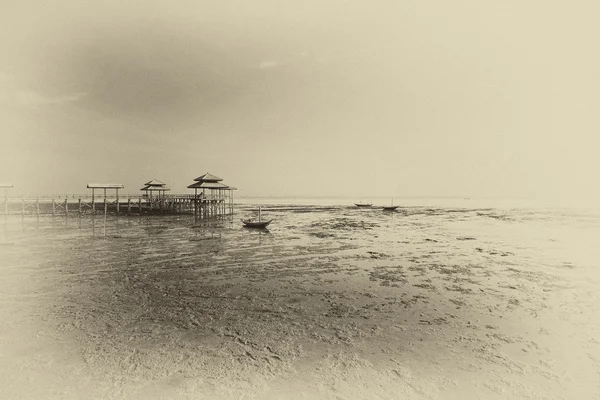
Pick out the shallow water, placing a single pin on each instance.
(331, 301)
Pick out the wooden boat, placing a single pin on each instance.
(260, 224)
(249, 223)
(363, 205)
(391, 207)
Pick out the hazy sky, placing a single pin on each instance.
(328, 97)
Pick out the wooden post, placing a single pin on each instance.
(140, 205)
(66, 207)
(53, 206)
(105, 209)
(117, 200)
(93, 204)
(79, 206)
(128, 204)
(37, 206)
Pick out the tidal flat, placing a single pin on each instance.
(332, 302)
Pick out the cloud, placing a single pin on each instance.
(302, 59)
(270, 64)
(13, 93)
(32, 98)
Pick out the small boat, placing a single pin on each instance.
(390, 208)
(255, 224)
(363, 205)
(260, 224)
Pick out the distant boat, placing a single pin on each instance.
(250, 223)
(390, 208)
(363, 205)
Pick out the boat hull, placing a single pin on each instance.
(390, 208)
(256, 224)
(362, 205)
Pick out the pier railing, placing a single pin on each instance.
(37, 204)
(75, 196)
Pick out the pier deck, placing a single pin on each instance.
(71, 204)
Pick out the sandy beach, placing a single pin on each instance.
(332, 302)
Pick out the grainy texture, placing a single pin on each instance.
(332, 302)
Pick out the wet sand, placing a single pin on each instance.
(330, 303)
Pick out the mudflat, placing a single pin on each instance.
(329, 303)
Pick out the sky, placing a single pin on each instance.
(469, 98)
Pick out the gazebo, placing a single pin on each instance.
(155, 186)
(208, 182)
(218, 192)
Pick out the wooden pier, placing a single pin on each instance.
(211, 199)
(202, 206)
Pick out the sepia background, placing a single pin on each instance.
(292, 98)
(478, 119)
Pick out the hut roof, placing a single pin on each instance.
(155, 182)
(104, 186)
(208, 185)
(155, 188)
(208, 178)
